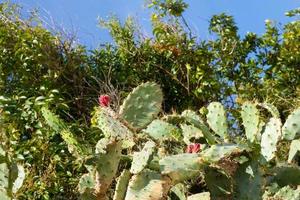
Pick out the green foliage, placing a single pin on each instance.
(42, 73)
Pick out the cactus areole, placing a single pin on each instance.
(104, 100)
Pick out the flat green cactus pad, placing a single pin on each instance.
(271, 108)
(181, 167)
(142, 105)
(294, 149)
(111, 127)
(121, 187)
(190, 132)
(86, 187)
(217, 152)
(287, 175)
(291, 127)
(195, 120)
(216, 118)
(141, 159)
(200, 196)
(147, 185)
(250, 117)
(161, 130)
(270, 138)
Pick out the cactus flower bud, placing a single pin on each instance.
(104, 100)
(193, 148)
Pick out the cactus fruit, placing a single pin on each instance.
(142, 105)
(193, 148)
(181, 167)
(250, 119)
(141, 159)
(270, 138)
(200, 196)
(217, 152)
(148, 185)
(190, 132)
(192, 118)
(122, 184)
(271, 108)
(294, 149)
(104, 100)
(161, 130)
(216, 118)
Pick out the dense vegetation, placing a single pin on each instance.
(41, 68)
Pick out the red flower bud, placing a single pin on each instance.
(193, 148)
(104, 100)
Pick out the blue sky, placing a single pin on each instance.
(80, 16)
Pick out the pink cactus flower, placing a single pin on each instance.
(193, 148)
(104, 100)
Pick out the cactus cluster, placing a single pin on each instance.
(144, 155)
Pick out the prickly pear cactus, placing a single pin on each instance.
(250, 117)
(271, 108)
(103, 168)
(217, 152)
(195, 120)
(216, 118)
(200, 196)
(161, 130)
(111, 127)
(12, 176)
(122, 184)
(148, 185)
(190, 132)
(286, 175)
(141, 159)
(270, 138)
(219, 183)
(291, 127)
(181, 167)
(294, 150)
(142, 105)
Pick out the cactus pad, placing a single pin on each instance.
(181, 167)
(161, 130)
(86, 187)
(286, 175)
(271, 108)
(190, 132)
(141, 159)
(217, 152)
(216, 118)
(200, 196)
(147, 185)
(194, 119)
(121, 187)
(142, 105)
(288, 193)
(291, 128)
(270, 138)
(294, 149)
(250, 117)
(111, 127)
